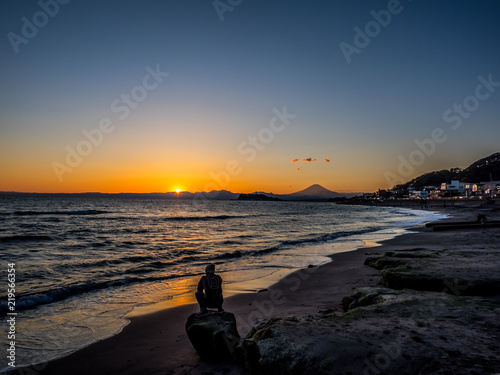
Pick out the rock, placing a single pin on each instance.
(364, 297)
(394, 332)
(214, 336)
(385, 262)
(283, 346)
(473, 273)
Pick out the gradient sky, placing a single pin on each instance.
(228, 77)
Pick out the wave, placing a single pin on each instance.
(80, 212)
(330, 236)
(234, 254)
(134, 231)
(92, 265)
(81, 230)
(21, 238)
(322, 238)
(205, 218)
(231, 242)
(117, 218)
(50, 296)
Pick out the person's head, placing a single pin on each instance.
(210, 269)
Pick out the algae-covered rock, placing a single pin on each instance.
(364, 297)
(285, 346)
(395, 332)
(385, 262)
(214, 336)
(405, 278)
(455, 272)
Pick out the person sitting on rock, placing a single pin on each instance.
(212, 285)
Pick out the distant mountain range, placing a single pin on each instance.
(480, 171)
(312, 193)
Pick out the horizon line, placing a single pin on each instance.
(167, 192)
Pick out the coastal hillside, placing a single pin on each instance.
(480, 171)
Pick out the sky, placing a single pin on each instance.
(242, 95)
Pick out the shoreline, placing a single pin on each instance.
(324, 254)
(140, 331)
(155, 334)
(320, 254)
(255, 285)
(99, 274)
(258, 284)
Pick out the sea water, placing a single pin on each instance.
(83, 262)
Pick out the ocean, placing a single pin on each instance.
(82, 263)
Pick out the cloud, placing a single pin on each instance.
(309, 160)
(305, 160)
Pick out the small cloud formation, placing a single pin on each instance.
(309, 160)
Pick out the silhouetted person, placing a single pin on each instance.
(212, 285)
(481, 219)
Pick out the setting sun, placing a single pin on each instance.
(178, 191)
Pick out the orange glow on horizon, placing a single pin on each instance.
(149, 175)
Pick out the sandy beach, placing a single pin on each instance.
(156, 343)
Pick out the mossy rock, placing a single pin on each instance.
(387, 262)
(404, 278)
(282, 346)
(364, 297)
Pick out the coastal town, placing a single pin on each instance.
(479, 181)
(447, 190)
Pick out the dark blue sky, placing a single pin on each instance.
(226, 77)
